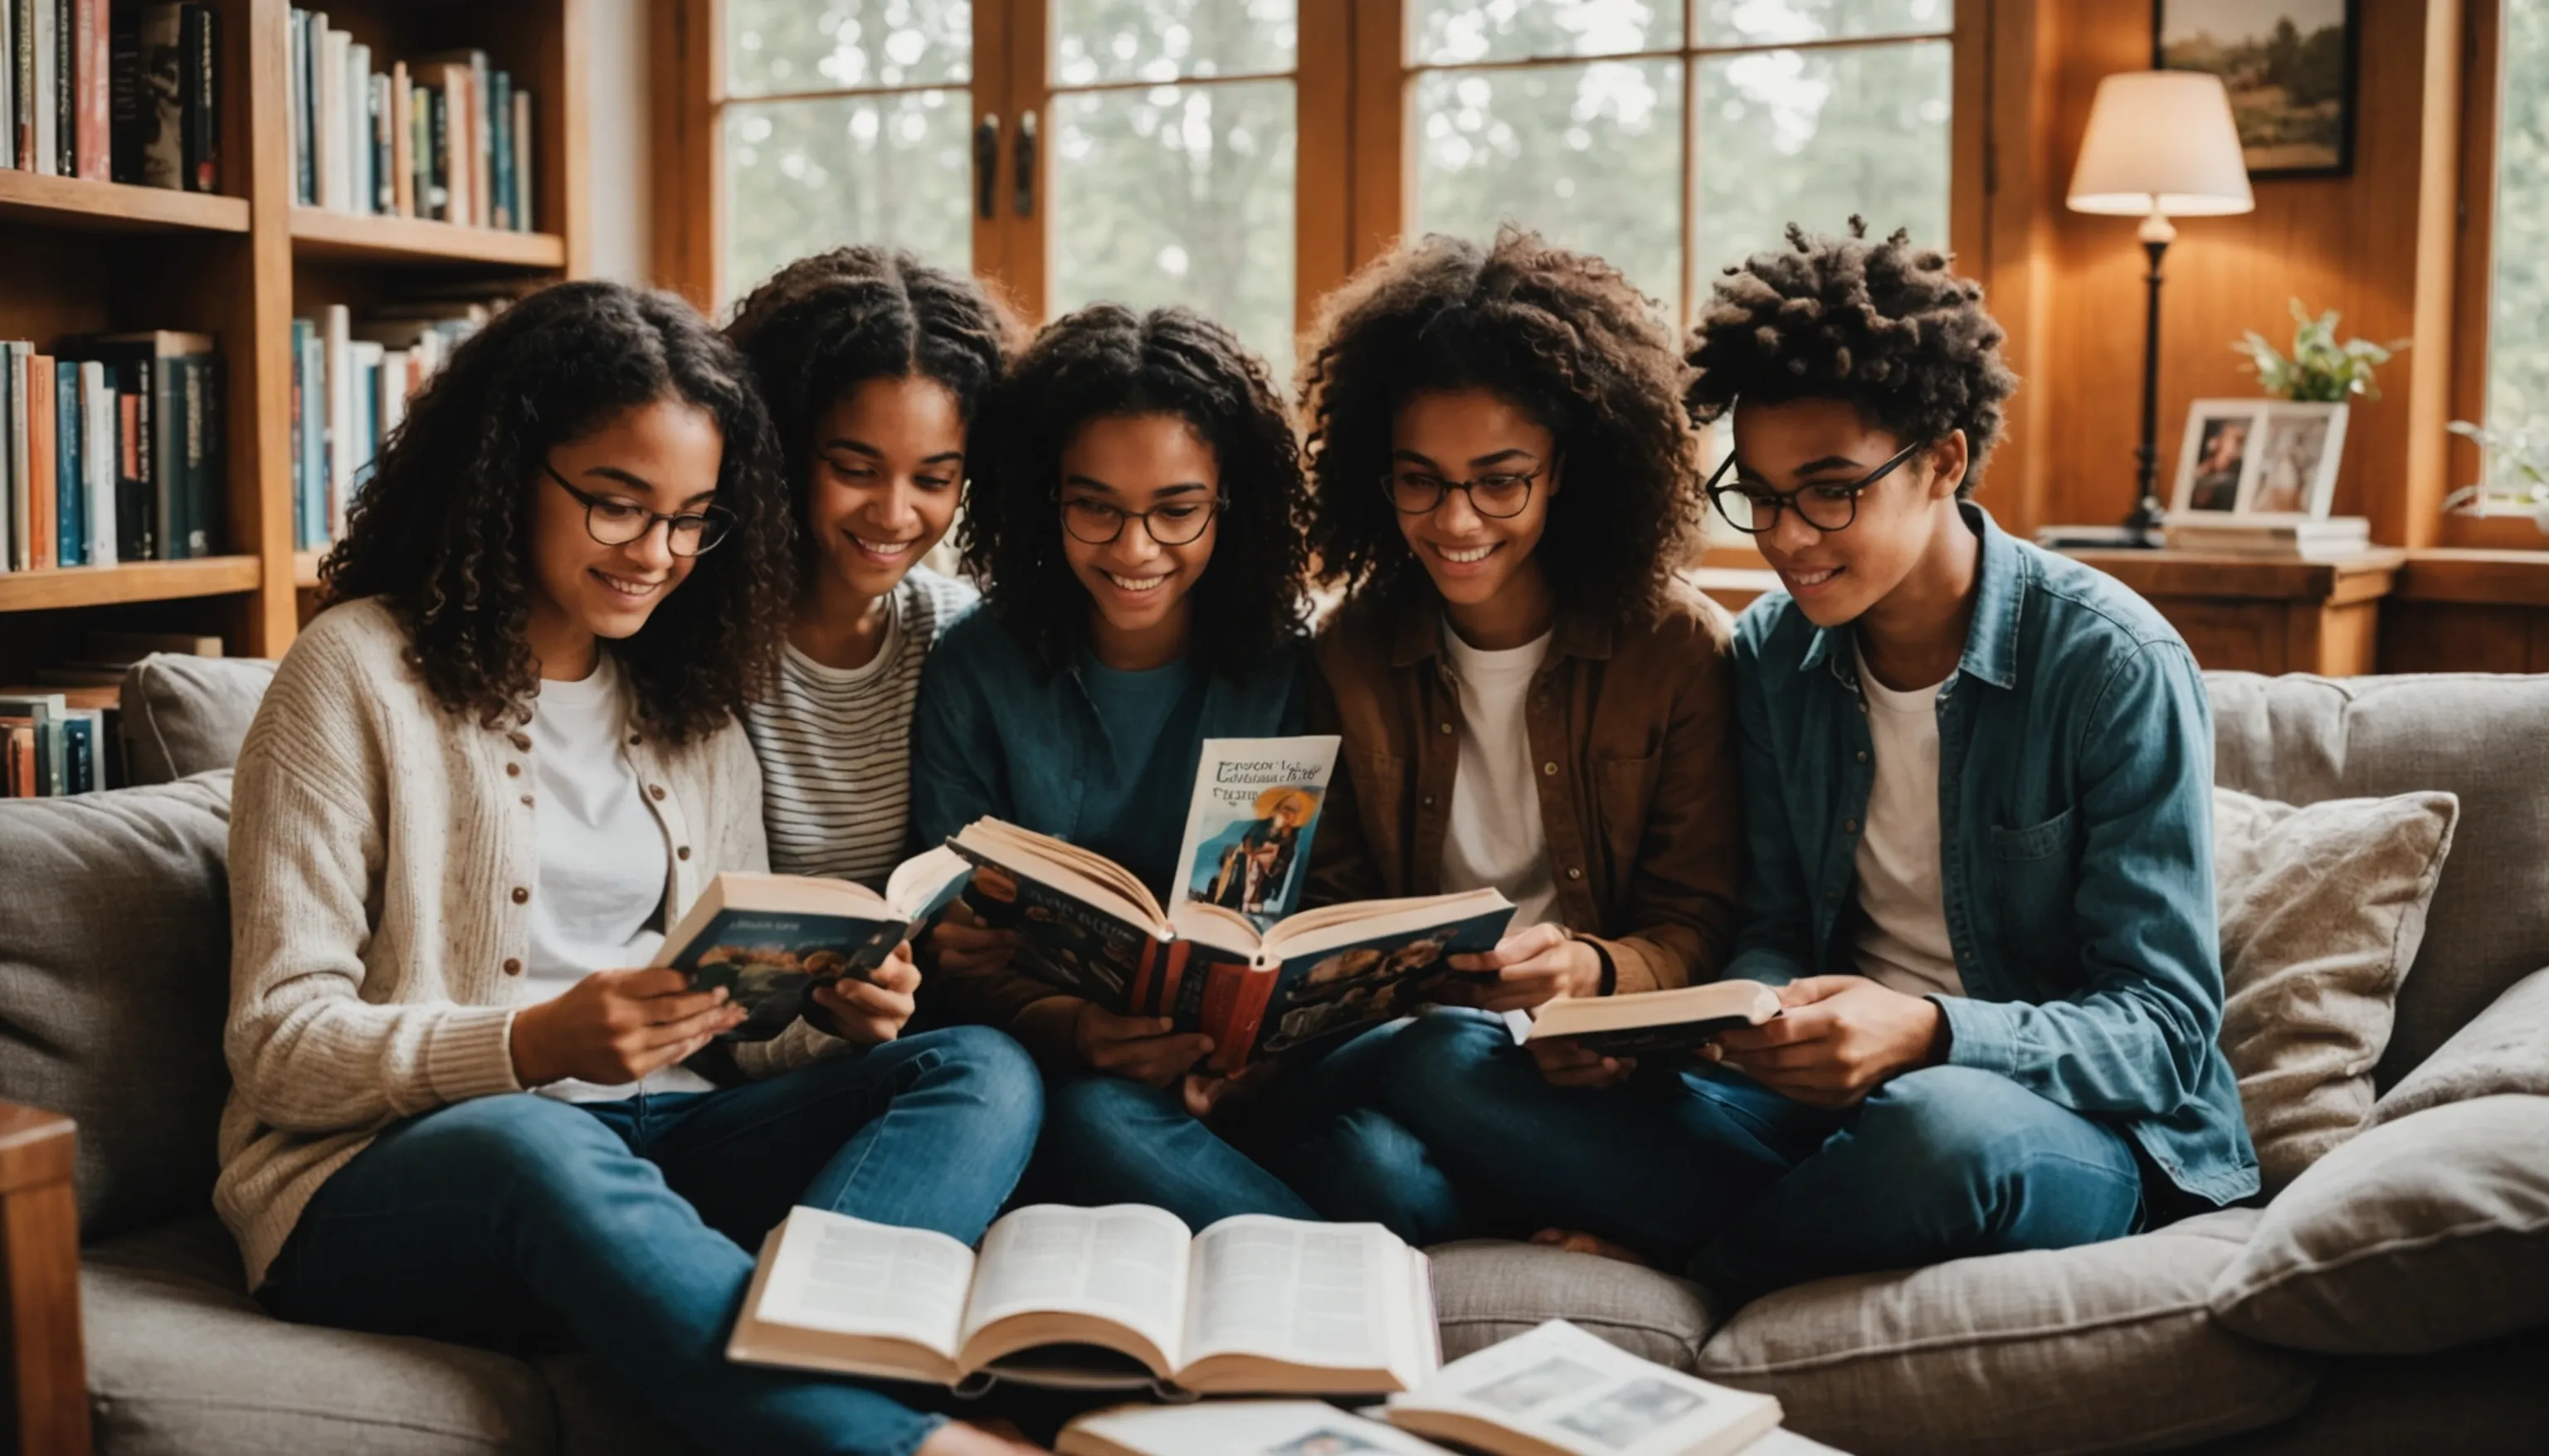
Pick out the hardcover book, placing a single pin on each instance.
(1115, 1298)
(1650, 1022)
(771, 939)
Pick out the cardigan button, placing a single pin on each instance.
(1445, 727)
(1849, 826)
(521, 896)
(512, 966)
(526, 801)
(683, 853)
(523, 741)
(1862, 756)
(512, 770)
(1429, 801)
(655, 791)
(1548, 770)
(1573, 873)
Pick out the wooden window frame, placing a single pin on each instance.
(2473, 255)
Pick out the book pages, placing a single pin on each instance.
(1236, 1428)
(847, 1276)
(1562, 1389)
(1124, 1263)
(1305, 1294)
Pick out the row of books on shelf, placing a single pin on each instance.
(62, 733)
(122, 92)
(110, 450)
(443, 137)
(350, 383)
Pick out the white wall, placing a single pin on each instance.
(617, 90)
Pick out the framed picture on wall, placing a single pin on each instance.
(2289, 65)
(2217, 456)
(2293, 460)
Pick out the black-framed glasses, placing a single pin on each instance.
(1497, 495)
(1096, 523)
(619, 522)
(1825, 507)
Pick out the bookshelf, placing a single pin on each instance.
(80, 256)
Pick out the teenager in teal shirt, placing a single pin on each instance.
(1137, 533)
(1977, 785)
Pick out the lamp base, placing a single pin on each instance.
(2145, 521)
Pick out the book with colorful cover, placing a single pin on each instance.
(1090, 928)
(1250, 821)
(771, 939)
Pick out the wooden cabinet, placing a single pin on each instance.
(2246, 614)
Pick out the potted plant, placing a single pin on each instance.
(2319, 369)
(2517, 476)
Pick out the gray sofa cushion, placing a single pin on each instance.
(2421, 1234)
(2506, 1050)
(114, 954)
(182, 1363)
(186, 716)
(1487, 1291)
(2302, 739)
(2107, 1348)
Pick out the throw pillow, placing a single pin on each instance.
(2422, 1235)
(2503, 1048)
(2323, 909)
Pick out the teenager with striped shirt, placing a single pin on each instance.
(875, 367)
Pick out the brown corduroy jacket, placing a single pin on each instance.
(1634, 729)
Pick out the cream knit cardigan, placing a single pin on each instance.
(382, 858)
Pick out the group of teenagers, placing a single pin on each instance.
(631, 601)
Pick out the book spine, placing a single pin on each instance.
(98, 524)
(402, 141)
(525, 213)
(481, 158)
(8, 100)
(22, 83)
(70, 471)
(35, 544)
(89, 61)
(203, 100)
(66, 92)
(500, 116)
(37, 38)
(128, 459)
(139, 511)
(8, 437)
(124, 92)
(20, 473)
(159, 117)
(304, 117)
(203, 517)
(384, 175)
(356, 124)
(439, 150)
(341, 416)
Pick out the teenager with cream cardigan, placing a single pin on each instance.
(500, 762)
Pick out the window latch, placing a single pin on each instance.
(986, 166)
(1026, 164)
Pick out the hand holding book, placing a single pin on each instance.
(617, 1025)
(866, 1012)
(1532, 967)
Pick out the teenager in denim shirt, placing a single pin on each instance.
(1977, 794)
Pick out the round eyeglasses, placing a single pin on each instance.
(620, 522)
(1499, 496)
(1096, 523)
(1825, 507)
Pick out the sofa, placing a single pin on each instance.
(2396, 1293)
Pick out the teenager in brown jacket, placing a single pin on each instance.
(1504, 485)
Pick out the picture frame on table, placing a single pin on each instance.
(2290, 66)
(2214, 457)
(2245, 460)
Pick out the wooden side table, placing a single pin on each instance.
(2265, 615)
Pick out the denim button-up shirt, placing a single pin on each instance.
(2075, 827)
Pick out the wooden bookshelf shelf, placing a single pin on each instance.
(77, 205)
(320, 234)
(141, 580)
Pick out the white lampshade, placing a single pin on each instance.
(2161, 141)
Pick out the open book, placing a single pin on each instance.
(1250, 823)
(1235, 1429)
(1646, 1023)
(1561, 1391)
(771, 939)
(1090, 928)
(1110, 1298)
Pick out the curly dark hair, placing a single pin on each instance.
(1561, 334)
(441, 529)
(1107, 361)
(1884, 325)
(824, 324)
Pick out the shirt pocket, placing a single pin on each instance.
(2034, 873)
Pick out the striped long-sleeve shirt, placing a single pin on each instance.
(835, 744)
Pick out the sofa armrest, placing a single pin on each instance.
(44, 1378)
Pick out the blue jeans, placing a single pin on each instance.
(1310, 1146)
(632, 1226)
(1710, 1170)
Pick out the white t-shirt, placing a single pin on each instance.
(1497, 838)
(604, 865)
(835, 743)
(1901, 939)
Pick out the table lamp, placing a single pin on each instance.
(2159, 143)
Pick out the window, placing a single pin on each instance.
(844, 120)
(1678, 137)
(2517, 400)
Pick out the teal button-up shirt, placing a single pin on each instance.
(2075, 826)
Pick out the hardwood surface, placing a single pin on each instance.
(2462, 610)
(43, 1400)
(317, 233)
(102, 207)
(141, 580)
(2245, 613)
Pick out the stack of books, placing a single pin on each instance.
(443, 137)
(350, 383)
(110, 450)
(61, 734)
(127, 93)
(2296, 539)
